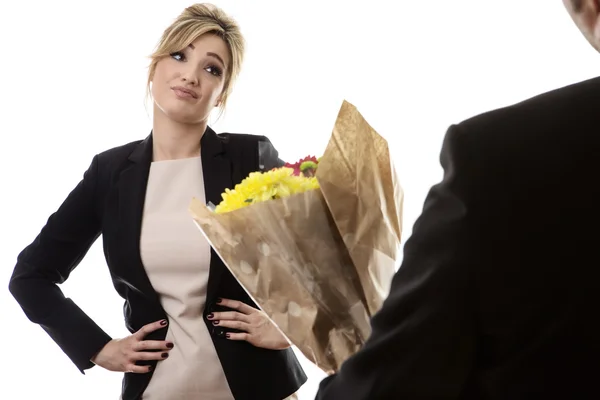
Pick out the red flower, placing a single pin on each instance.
(308, 169)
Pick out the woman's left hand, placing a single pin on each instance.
(257, 328)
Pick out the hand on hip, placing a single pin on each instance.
(257, 329)
(121, 355)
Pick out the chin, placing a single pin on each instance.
(182, 115)
(187, 119)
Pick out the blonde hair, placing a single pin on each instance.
(195, 21)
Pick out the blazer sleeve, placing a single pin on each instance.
(423, 339)
(48, 261)
(268, 156)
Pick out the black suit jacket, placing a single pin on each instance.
(109, 202)
(498, 293)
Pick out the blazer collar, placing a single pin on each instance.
(217, 172)
(210, 146)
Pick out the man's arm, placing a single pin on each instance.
(423, 341)
(268, 156)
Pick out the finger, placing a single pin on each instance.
(149, 328)
(237, 336)
(138, 369)
(149, 355)
(242, 326)
(238, 306)
(229, 315)
(152, 345)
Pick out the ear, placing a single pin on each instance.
(586, 15)
(595, 11)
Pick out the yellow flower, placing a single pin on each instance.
(265, 186)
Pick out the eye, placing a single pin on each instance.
(178, 55)
(214, 70)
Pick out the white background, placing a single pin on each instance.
(72, 84)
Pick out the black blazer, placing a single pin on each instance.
(109, 201)
(498, 293)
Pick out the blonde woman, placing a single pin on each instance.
(195, 333)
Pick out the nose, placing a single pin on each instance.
(190, 77)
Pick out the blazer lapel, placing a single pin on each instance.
(216, 168)
(217, 172)
(132, 192)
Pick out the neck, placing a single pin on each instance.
(172, 140)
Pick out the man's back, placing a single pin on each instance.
(496, 297)
(536, 210)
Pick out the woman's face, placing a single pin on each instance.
(188, 84)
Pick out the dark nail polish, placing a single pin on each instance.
(170, 345)
(149, 368)
(219, 301)
(215, 322)
(227, 335)
(163, 322)
(165, 355)
(210, 316)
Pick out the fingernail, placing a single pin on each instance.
(149, 368)
(227, 335)
(215, 322)
(170, 345)
(219, 300)
(163, 322)
(210, 316)
(165, 355)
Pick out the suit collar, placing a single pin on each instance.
(217, 173)
(210, 146)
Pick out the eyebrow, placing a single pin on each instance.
(210, 54)
(215, 55)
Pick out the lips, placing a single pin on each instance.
(184, 93)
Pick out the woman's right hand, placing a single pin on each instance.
(120, 355)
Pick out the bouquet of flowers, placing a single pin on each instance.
(315, 243)
(275, 184)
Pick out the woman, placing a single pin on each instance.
(196, 334)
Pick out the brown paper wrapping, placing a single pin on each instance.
(320, 263)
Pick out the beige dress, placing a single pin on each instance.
(177, 258)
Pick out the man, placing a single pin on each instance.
(498, 295)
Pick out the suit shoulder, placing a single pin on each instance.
(536, 140)
(114, 159)
(559, 118)
(118, 154)
(570, 102)
(122, 151)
